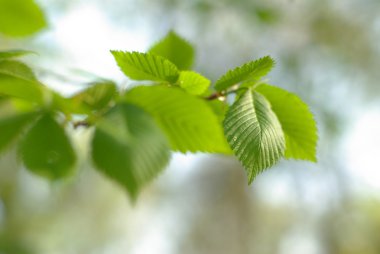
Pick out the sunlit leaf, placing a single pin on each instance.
(20, 17)
(145, 66)
(297, 122)
(176, 49)
(129, 148)
(193, 83)
(250, 71)
(188, 122)
(46, 150)
(254, 133)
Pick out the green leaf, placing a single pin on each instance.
(12, 126)
(248, 72)
(20, 17)
(176, 49)
(193, 83)
(129, 147)
(254, 133)
(145, 66)
(13, 53)
(219, 108)
(189, 123)
(18, 80)
(17, 69)
(97, 96)
(46, 150)
(296, 120)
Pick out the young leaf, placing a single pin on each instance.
(188, 122)
(13, 53)
(12, 126)
(193, 83)
(145, 66)
(250, 71)
(129, 148)
(176, 49)
(20, 17)
(18, 80)
(46, 150)
(296, 120)
(96, 96)
(254, 133)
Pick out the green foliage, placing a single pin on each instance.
(254, 133)
(18, 80)
(219, 107)
(189, 123)
(12, 126)
(194, 83)
(97, 96)
(20, 17)
(145, 66)
(129, 147)
(46, 150)
(251, 71)
(136, 128)
(296, 120)
(13, 53)
(176, 49)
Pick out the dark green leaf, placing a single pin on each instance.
(12, 126)
(176, 49)
(189, 123)
(129, 147)
(145, 66)
(193, 83)
(46, 150)
(254, 133)
(20, 17)
(296, 120)
(248, 72)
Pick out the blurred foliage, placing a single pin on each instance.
(20, 17)
(327, 51)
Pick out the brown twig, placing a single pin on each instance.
(81, 123)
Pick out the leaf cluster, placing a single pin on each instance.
(135, 130)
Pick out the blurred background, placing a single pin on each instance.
(327, 52)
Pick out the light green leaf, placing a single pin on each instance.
(97, 96)
(12, 126)
(219, 108)
(176, 49)
(20, 17)
(46, 150)
(18, 80)
(189, 123)
(17, 69)
(296, 120)
(193, 83)
(145, 66)
(248, 72)
(14, 53)
(129, 147)
(254, 133)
